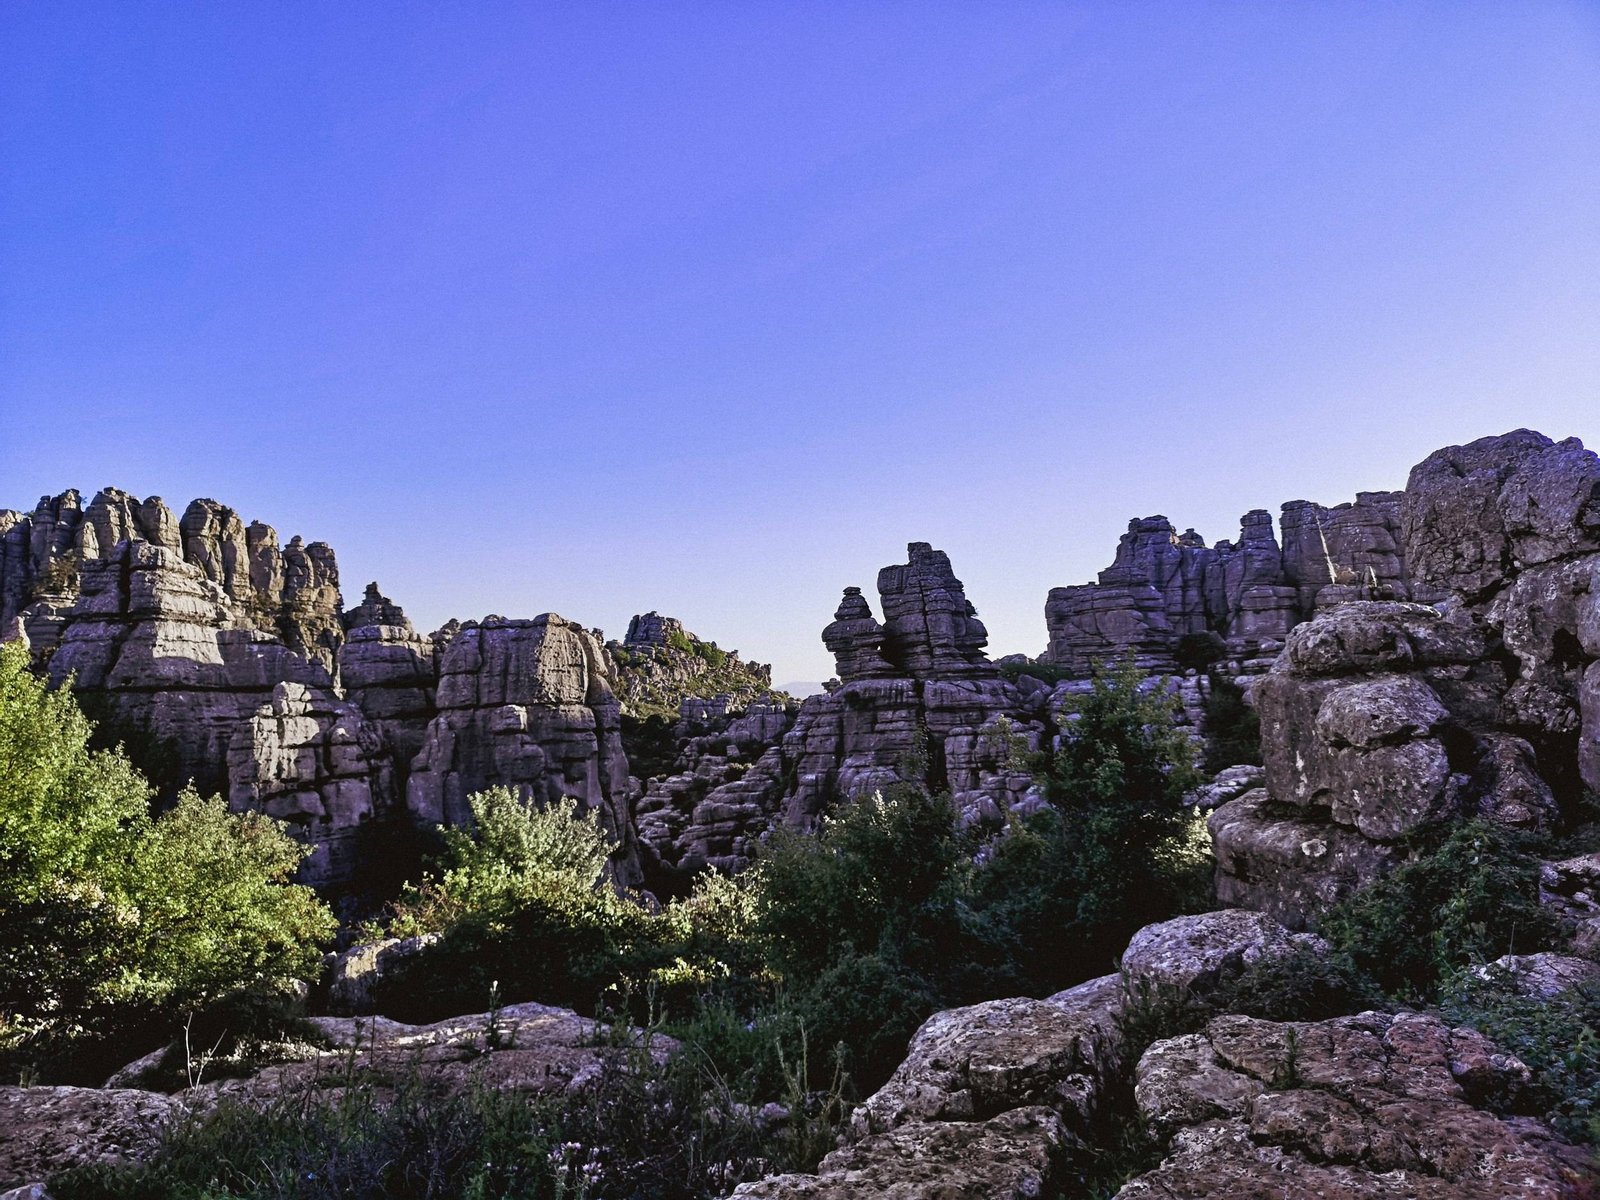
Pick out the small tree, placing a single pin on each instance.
(111, 920)
(1067, 886)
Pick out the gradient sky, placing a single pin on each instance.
(710, 308)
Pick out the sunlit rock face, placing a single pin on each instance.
(221, 658)
(528, 705)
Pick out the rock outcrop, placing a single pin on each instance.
(220, 657)
(528, 705)
(1165, 586)
(660, 664)
(1001, 1098)
(1381, 718)
(916, 699)
(1372, 1105)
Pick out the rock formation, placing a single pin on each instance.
(1379, 718)
(660, 664)
(221, 658)
(917, 699)
(1372, 1105)
(1164, 586)
(528, 705)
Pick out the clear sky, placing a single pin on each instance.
(710, 308)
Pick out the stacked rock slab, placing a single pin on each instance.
(390, 672)
(1165, 585)
(1380, 718)
(316, 763)
(154, 647)
(527, 705)
(917, 698)
(721, 741)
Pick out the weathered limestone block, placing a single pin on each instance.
(1475, 514)
(1288, 862)
(930, 628)
(152, 641)
(44, 1130)
(1348, 552)
(528, 705)
(855, 639)
(1372, 1106)
(389, 672)
(313, 762)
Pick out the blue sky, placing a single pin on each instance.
(710, 308)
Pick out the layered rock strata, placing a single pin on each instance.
(916, 699)
(527, 705)
(1165, 586)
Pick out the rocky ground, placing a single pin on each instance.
(1416, 658)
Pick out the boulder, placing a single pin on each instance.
(44, 1130)
(1374, 1105)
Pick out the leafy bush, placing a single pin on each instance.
(864, 924)
(523, 901)
(1557, 1037)
(1301, 986)
(1470, 896)
(1232, 727)
(114, 924)
(1068, 885)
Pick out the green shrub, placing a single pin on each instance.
(1470, 896)
(1114, 849)
(115, 925)
(1301, 986)
(1557, 1037)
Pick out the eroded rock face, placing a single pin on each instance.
(1372, 1105)
(390, 672)
(1381, 718)
(1165, 585)
(527, 705)
(659, 665)
(44, 1130)
(1005, 1095)
(1378, 719)
(704, 814)
(1013, 1156)
(315, 763)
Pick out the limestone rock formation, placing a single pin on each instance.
(1165, 586)
(314, 762)
(660, 664)
(1373, 1105)
(1380, 718)
(528, 705)
(390, 672)
(682, 829)
(998, 1098)
(44, 1130)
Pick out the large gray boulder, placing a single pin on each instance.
(1376, 1105)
